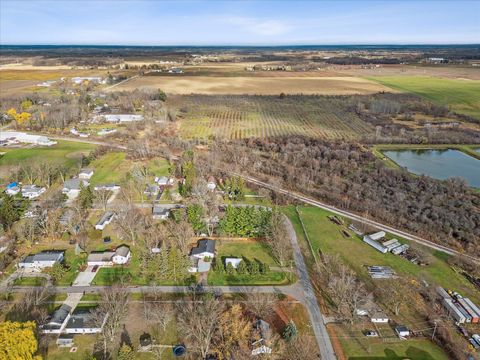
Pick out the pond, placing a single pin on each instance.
(438, 164)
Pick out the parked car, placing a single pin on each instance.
(371, 333)
(95, 268)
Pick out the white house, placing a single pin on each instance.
(402, 331)
(201, 256)
(163, 181)
(85, 174)
(160, 212)
(119, 118)
(80, 322)
(58, 320)
(20, 137)
(234, 261)
(72, 187)
(109, 258)
(106, 187)
(379, 317)
(32, 191)
(106, 219)
(95, 79)
(42, 260)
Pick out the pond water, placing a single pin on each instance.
(439, 164)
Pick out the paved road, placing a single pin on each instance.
(358, 218)
(294, 290)
(316, 317)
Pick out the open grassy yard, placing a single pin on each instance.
(68, 153)
(235, 117)
(30, 281)
(271, 278)
(326, 235)
(358, 347)
(249, 249)
(460, 95)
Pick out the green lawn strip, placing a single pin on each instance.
(30, 281)
(67, 153)
(326, 235)
(270, 278)
(85, 344)
(459, 95)
(73, 263)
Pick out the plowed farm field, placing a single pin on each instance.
(236, 117)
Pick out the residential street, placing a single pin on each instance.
(316, 317)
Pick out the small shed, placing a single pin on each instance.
(402, 331)
(379, 317)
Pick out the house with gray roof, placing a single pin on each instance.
(201, 256)
(72, 187)
(42, 260)
(106, 219)
(58, 320)
(120, 256)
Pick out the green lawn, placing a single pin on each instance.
(247, 249)
(461, 96)
(68, 153)
(325, 235)
(271, 278)
(30, 281)
(110, 168)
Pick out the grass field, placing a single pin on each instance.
(357, 347)
(462, 96)
(239, 85)
(325, 235)
(65, 152)
(30, 281)
(234, 117)
(249, 250)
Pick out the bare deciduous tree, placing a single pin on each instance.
(198, 322)
(101, 197)
(180, 234)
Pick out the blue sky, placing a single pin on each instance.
(126, 22)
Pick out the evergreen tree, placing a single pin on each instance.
(242, 268)
(86, 197)
(230, 269)
(290, 331)
(218, 267)
(177, 265)
(195, 218)
(254, 268)
(9, 213)
(264, 268)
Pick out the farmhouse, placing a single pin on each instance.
(109, 258)
(13, 137)
(119, 118)
(42, 260)
(201, 256)
(71, 187)
(32, 191)
(105, 220)
(85, 174)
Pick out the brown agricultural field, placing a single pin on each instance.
(255, 85)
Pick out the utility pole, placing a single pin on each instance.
(435, 329)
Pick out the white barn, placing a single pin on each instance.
(21, 137)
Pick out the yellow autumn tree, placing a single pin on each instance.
(17, 341)
(234, 332)
(20, 118)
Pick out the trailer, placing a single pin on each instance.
(469, 310)
(391, 244)
(476, 337)
(442, 293)
(473, 306)
(456, 314)
(400, 249)
(367, 239)
(468, 317)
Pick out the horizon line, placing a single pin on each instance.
(248, 45)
